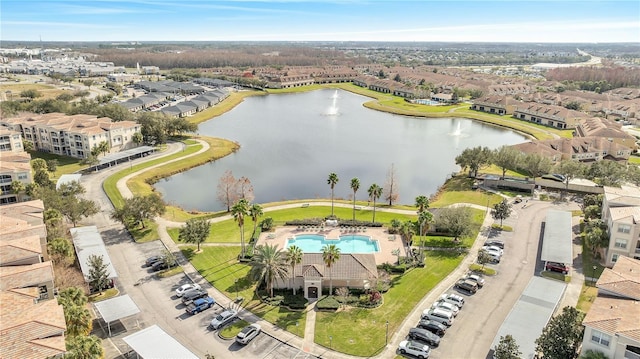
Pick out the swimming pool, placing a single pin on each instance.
(352, 243)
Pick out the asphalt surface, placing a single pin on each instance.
(475, 326)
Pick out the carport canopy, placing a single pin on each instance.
(155, 343)
(116, 156)
(116, 308)
(556, 242)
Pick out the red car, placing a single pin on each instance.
(557, 267)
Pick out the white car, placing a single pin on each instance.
(439, 315)
(476, 278)
(248, 333)
(446, 306)
(494, 249)
(186, 287)
(223, 318)
(416, 349)
(458, 300)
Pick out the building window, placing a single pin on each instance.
(624, 228)
(22, 176)
(621, 243)
(600, 338)
(614, 257)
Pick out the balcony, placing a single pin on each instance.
(631, 355)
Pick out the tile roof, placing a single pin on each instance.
(14, 250)
(348, 266)
(623, 279)
(615, 315)
(25, 276)
(31, 329)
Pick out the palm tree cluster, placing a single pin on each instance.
(374, 191)
(240, 211)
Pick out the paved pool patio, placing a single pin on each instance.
(386, 242)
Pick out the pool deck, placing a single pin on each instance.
(386, 242)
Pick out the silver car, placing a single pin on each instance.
(248, 333)
(416, 349)
(223, 318)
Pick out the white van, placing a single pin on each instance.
(441, 316)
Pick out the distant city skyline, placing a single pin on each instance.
(587, 21)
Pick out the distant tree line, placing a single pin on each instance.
(598, 79)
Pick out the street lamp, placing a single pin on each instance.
(236, 285)
(386, 336)
(593, 276)
(330, 342)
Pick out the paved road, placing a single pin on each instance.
(477, 323)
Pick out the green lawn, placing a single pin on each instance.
(66, 164)
(219, 266)
(228, 231)
(361, 332)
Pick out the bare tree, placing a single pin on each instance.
(227, 193)
(391, 187)
(245, 189)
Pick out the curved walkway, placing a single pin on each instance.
(307, 342)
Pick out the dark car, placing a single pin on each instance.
(557, 267)
(159, 265)
(432, 326)
(151, 260)
(467, 285)
(424, 335)
(192, 295)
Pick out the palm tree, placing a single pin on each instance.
(255, 211)
(375, 192)
(332, 180)
(330, 255)
(239, 211)
(84, 347)
(424, 218)
(355, 185)
(422, 202)
(268, 264)
(78, 320)
(294, 257)
(407, 230)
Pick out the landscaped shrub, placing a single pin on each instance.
(266, 224)
(295, 301)
(328, 303)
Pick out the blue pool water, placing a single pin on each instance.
(353, 243)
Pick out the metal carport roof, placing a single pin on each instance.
(116, 308)
(531, 313)
(87, 241)
(111, 157)
(557, 239)
(155, 343)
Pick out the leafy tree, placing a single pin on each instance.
(137, 138)
(53, 220)
(72, 296)
(60, 249)
(88, 83)
(355, 185)
(455, 220)
(38, 164)
(330, 255)
(101, 148)
(592, 212)
(17, 187)
(90, 161)
(227, 193)
(52, 165)
(169, 258)
(474, 159)
(75, 208)
(592, 200)
(268, 264)
(294, 257)
(633, 175)
(407, 230)
(606, 173)
(65, 96)
(255, 211)
(27, 145)
(195, 230)
(507, 348)
(42, 179)
(98, 273)
(239, 211)
(422, 202)
(570, 170)
(138, 208)
(84, 347)
(562, 336)
(501, 211)
(78, 319)
(483, 257)
(375, 192)
(507, 158)
(332, 181)
(536, 165)
(596, 236)
(573, 105)
(391, 187)
(266, 224)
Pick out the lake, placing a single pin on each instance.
(290, 143)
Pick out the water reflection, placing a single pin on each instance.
(289, 146)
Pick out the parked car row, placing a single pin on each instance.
(495, 249)
(432, 326)
(157, 263)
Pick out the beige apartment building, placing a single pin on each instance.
(74, 135)
(621, 213)
(14, 165)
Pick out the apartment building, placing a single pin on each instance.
(582, 149)
(611, 326)
(498, 105)
(32, 322)
(605, 128)
(14, 165)
(621, 213)
(548, 115)
(10, 141)
(74, 135)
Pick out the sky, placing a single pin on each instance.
(584, 21)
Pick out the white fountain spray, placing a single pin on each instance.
(333, 109)
(457, 131)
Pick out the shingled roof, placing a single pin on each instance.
(349, 266)
(622, 280)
